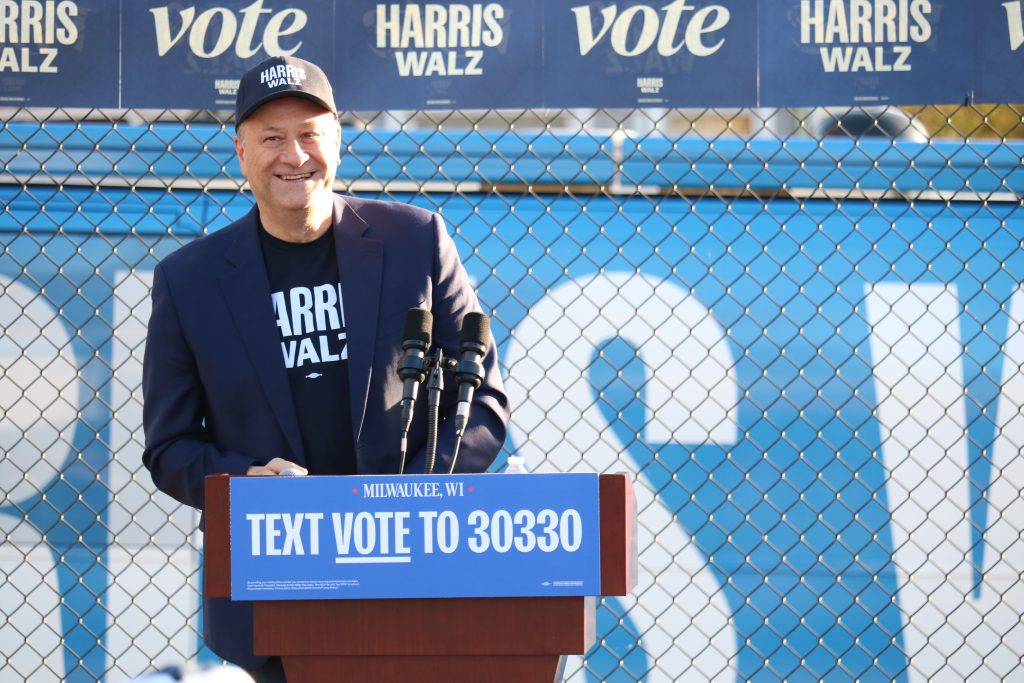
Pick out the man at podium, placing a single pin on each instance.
(274, 343)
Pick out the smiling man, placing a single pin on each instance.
(274, 343)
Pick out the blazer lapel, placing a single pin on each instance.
(247, 290)
(359, 265)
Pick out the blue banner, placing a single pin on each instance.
(562, 53)
(630, 54)
(871, 52)
(999, 72)
(191, 55)
(59, 54)
(488, 535)
(419, 55)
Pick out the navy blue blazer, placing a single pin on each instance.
(216, 393)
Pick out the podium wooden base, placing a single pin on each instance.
(506, 640)
(426, 669)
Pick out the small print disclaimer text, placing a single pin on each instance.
(300, 585)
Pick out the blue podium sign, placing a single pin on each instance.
(477, 535)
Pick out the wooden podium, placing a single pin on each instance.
(449, 640)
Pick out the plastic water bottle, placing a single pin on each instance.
(516, 465)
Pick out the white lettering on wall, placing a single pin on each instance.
(865, 35)
(152, 556)
(30, 31)
(439, 40)
(31, 22)
(40, 391)
(559, 427)
(654, 27)
(948, 632)
(1015, 23)
(216, 29)
(439, 26)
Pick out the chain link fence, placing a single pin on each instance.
(799, 329)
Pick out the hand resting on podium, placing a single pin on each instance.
(277, 466)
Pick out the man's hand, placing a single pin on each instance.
(276, 467)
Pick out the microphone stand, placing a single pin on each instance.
(435, 385)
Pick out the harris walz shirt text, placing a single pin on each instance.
(310, 315)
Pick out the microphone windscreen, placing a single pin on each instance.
(476, 329)
(418, 323)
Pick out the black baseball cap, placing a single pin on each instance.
(282, 77)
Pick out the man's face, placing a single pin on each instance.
(289, 150)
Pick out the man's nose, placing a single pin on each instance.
(293, 154)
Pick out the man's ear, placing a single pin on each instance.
(240, 151)
(337, 132)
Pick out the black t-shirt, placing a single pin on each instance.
(310, 317)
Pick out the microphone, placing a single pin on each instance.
(469, 373)
(415, 342)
